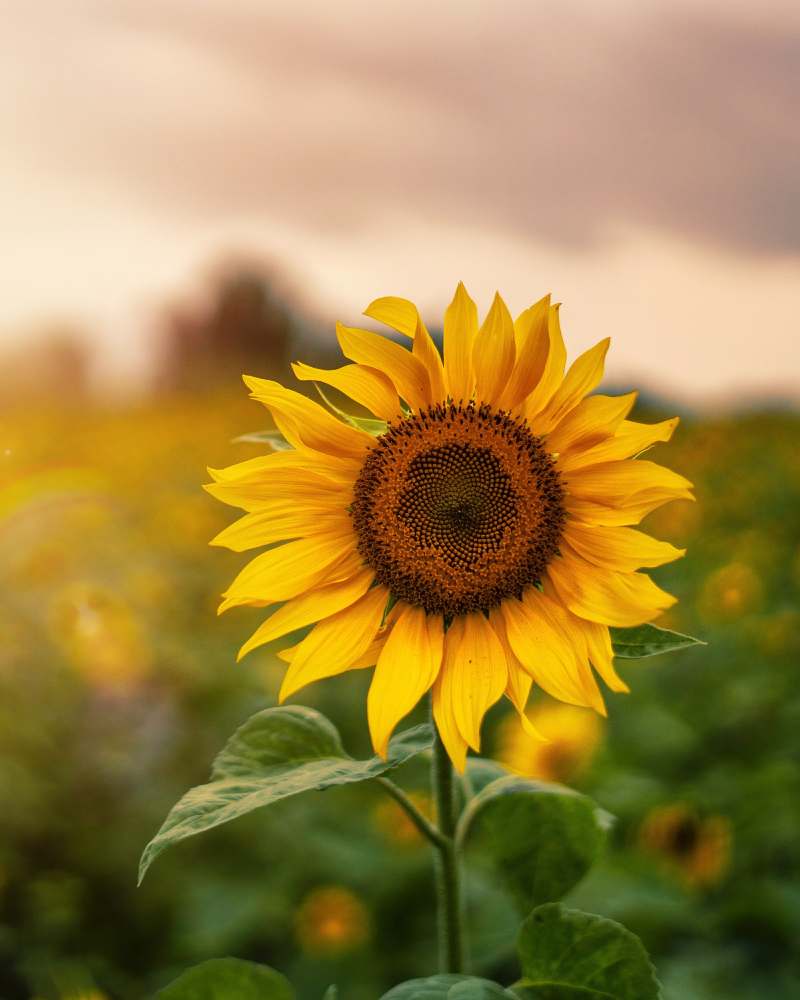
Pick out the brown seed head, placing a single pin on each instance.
(458, 507)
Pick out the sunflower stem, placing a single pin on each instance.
(448, 887)
(420, 821)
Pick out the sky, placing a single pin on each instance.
(641, 161)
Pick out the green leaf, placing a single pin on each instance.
(332, 993)
(368, 424)
(482, 772)
(570, 954)
(649, 640)
(274, 439)
(277, 753)
(448, 987)
(228, 979)
(542, 838)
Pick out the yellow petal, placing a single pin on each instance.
(370, 657)
(630, 512)
(335, 643)
(305, 424)
(631, 488)
(622, 549)
(406, 669)
(630, 439)
(367, 386)
(566, 625)
(591, 421)
(262, 466)
(493, 353)
(282, 573)
(543, 653)
(407, 373)
(625, 479)
(281, 521)
(532, 346)
(553, 367)
(307, 608)
(519, 684)
(443, 713)
(460, 330)
(479, 676)
(400, 314)
(584, 375)
(604, 596)
(281, 485)
(403, 316)
(426, 350)
(601, 653)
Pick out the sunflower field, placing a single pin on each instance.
(118, 686)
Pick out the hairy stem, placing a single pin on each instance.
(420, 821)
(448, 888)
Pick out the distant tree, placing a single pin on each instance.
(248, 323)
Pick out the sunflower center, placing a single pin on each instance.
(457, 508)
(685, 836)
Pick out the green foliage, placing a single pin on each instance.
(649, 640)
(448, 987)
(542, 838)
(117, 683)
(567, 955)
(228, 979)
(277, 753)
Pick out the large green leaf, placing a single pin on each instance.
(277, 753)
(542, 838)
(228, 979)
(649, 640)
(448, 987)
(567, 954)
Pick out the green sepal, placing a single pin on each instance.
(273, 438)
(371, 425)
(332, 993)
(571, 955)
(448, 987)
(226, 978)
(541, 838)
(649, 640)
(277, 753)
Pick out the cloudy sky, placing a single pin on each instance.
(639, 160)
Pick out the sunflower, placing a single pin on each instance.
(571, 736)
(696, 849)
(471, 540)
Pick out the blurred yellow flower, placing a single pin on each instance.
(473, 539)
(571, 737)
(730, 592)
(394, 824)
(100, 635)
(696, 850)
(330, 921)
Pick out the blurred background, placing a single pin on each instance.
(189, 190)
